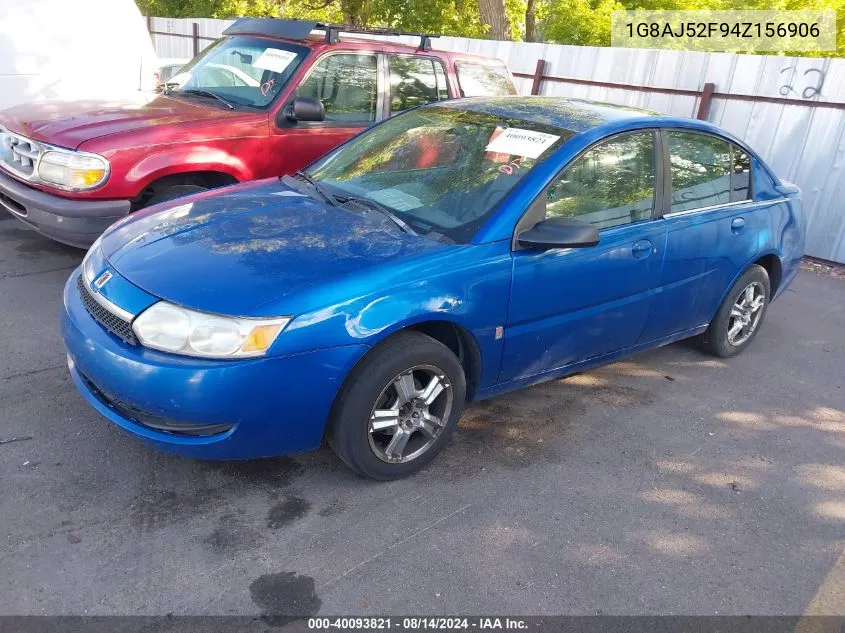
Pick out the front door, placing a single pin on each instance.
(569, 305)
(350, 86)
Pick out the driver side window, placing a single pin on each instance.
(346, 84)
(610, 185)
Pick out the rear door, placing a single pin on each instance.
(351, 86)
(572, 304)
(415, 80)
(713, 226)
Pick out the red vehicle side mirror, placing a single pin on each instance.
(304, 109)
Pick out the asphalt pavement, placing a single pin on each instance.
(671, 483)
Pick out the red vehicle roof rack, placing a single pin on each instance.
(301, 29)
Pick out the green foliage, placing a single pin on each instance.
(209, 8)
(580, 22)
(515, 11)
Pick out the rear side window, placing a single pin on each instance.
(706, 171)
(346, 84)
(415, 81)
(478, 80)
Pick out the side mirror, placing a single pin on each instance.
(559, 233)
(304, 109)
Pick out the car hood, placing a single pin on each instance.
(71, 123)
(246, 250)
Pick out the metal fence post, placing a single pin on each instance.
(538, 76)
(704, 101)
(149, 24)
(196, 38)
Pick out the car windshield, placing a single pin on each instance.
(239, 71)
(442, 170)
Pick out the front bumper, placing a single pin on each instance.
(74, 222)
(240, 409)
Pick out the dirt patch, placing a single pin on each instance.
(285, 597)
(516, 430)
(156, 508)
(828, 269)
(231, 535)
(287, 512)
(620, 396)
(224, 485)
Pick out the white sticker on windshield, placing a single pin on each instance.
(521, 142)
(396, 199)
(275, 60)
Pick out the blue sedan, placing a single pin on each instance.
(452, 253)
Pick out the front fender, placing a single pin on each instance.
(168, 161)
(468, 286)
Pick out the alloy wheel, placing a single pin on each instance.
(746, 313)
(409, 414)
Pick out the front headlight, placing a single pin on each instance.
(169, 328)
(88, 261)
(72, 170)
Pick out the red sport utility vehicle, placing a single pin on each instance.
(262, 101)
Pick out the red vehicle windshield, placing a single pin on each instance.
(240, 71)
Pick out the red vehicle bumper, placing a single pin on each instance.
(74, 222)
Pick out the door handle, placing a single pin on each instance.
(641, 249)
(737, 224)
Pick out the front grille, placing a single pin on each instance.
(110, 321)
(18, 154)
(151, 421)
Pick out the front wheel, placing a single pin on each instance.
(740, 315)
(398, 407)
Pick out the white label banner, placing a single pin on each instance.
(275, 60)
(521, 142)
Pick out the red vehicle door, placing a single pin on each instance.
(351, 86)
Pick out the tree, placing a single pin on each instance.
(531, 21)
(494, 16)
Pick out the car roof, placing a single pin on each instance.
(579, 115)
(575, 115)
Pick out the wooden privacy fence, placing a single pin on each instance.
(790, 110)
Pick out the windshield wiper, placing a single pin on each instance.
(320, 188)
(208, 93)
(378, 206)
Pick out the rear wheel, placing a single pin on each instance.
(740, 315)
(398, 407)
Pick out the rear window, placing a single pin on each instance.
(479, 80)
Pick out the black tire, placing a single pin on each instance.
(173, 192)
(715, 339)
(348, 431)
